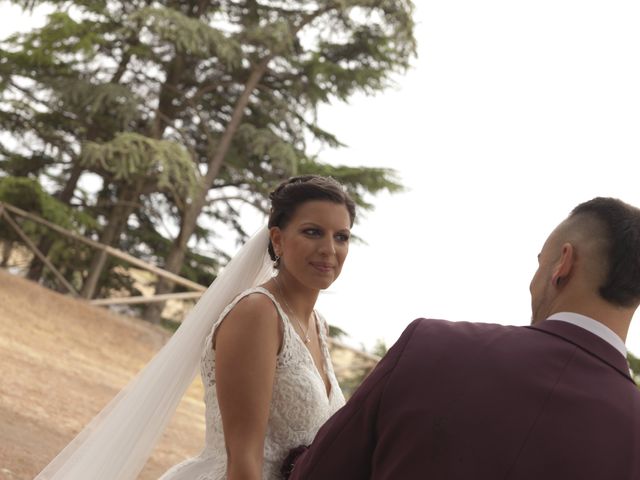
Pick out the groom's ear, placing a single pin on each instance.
(564, 266)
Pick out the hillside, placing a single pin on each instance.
(61, 362)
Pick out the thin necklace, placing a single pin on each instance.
(286, 304)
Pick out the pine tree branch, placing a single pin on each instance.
(122, 67)
(231, 198)
(29, 94)
(238, 112)
(307, 19)
(186, 139)
(210, 87)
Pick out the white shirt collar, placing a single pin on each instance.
(593, 326)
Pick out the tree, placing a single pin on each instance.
(294, 59)
(236, 84)
(28, 195)
(380, 348)
(138, 165)
(51, 107)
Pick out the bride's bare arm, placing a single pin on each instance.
(246, 347)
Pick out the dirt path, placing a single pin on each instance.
(61, 361)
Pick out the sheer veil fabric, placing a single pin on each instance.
(118, 441)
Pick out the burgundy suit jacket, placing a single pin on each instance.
(481, 401)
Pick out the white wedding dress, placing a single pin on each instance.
(299, 405)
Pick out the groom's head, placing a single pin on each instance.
(590, 263)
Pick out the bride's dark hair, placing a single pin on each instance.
(295, 191)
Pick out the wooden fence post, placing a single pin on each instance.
(110, 250)
(38, 253)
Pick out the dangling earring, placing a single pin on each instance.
(276, 262)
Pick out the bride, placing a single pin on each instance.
(263, 354)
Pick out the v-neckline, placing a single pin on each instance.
(322, 343)
(322, 353)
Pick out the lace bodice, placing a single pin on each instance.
(299, 405)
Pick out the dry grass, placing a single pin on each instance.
(61, 361)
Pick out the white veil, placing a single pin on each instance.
(118, 441)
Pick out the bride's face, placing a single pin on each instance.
(314, 244)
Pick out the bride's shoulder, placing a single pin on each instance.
(253, 315)
(254, 303)
(257, 297)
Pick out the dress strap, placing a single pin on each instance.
(281, 313)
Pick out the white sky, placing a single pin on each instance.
(514, 113)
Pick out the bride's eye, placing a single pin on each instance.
(312, 232)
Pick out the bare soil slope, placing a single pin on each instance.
(61, 361)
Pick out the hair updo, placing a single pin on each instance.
(292, 193)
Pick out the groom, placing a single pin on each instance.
(554, 400)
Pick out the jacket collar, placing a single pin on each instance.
(588, 342)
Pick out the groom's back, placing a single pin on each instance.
(485, 401)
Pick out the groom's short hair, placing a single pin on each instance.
(620, 225)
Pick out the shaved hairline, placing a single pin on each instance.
(591, 241)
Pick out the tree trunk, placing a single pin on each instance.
(189, 221)
(44, 245)
(168, 91)
(69, 189)
(36, 267)
(115, 225)
(7, 246)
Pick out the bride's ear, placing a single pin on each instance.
(275, 235)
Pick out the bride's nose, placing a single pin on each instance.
(328, 246)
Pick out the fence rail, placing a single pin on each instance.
(5, 213)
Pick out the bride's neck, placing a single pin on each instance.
(299, 299)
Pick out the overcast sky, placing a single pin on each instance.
(514, 113)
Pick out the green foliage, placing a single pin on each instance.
(634, 364)
(361, 182)
(264, 143)
(141, 95)
(133, 158)
(361, 369)
(70, 257)
(57, 48)
(112, 106)
(276, 37)
(62, 34)
(16, 165)
(337, 332)
(380, 348)
(28, 195)
(197, 267)
(189, 36)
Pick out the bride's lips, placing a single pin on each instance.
(322, 267)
